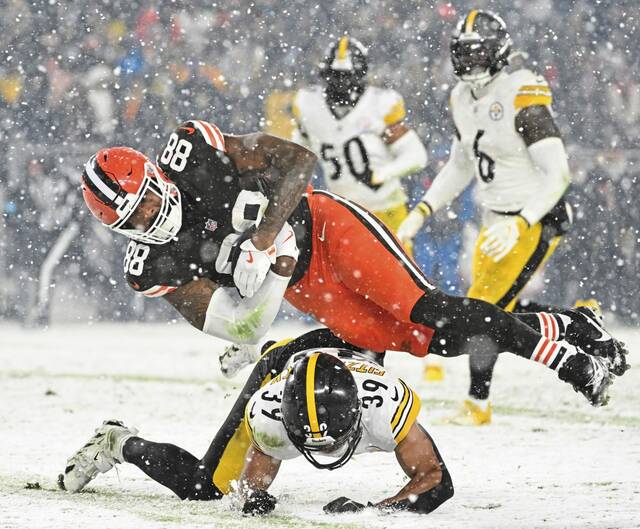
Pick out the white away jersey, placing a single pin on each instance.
(389, 409)
(507, 177)
(352, 146)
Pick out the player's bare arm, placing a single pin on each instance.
(428, 487)
(259, 471)
(257, 475)
(287, 165)
(192, 300)
(394, 132)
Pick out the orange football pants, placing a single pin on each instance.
(360, 283)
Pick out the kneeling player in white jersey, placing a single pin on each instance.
(315, 396)
(507, 137)
(359, 133)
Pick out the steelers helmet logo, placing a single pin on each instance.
(496, 111)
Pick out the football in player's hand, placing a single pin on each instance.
(342, 504)
(259, 503)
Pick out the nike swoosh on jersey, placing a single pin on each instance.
(289, 237)
(321, 237)
(190, 130)
(250, 258)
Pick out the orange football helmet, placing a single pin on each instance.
(114, 182)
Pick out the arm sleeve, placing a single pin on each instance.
(452, 179)
(245, 320)
(409, 156)
(550, 158)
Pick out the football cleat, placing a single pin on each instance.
(97, 456)
(588, 375)
(235, 357)
(587, 332)
(469, 414)
(592, 304)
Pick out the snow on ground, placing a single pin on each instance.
(549, 460)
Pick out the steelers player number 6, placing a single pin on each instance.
(486, 164)
(176, 153)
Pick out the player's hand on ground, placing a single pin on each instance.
(412, 224)
(259, 503)
(503, 236)
(252, 267)
(237, 356)
(343, 504)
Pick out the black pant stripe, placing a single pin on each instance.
(529, 269)
(384, 235)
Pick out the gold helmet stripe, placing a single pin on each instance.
(311, 395)
(471, 17)
(343, 46)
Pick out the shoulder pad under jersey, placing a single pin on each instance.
(529, 89)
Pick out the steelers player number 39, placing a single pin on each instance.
(176, 153)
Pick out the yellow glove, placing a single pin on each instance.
(503, 236)
(414, 221)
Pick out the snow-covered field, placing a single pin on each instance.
(549, 459)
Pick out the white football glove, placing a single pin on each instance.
(285, 242)
(252, 267)
(503, 236)
(235, 357)
(412, 224)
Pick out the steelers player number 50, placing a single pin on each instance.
(486, 165)
(176, 153)
(355, 156)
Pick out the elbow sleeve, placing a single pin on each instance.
(245, 320)
(430, 500)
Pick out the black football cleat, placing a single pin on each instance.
(588, 375)
(587, 332)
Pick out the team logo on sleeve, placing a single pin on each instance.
(211, 225)
(496, 111)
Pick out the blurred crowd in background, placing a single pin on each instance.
(76, 76)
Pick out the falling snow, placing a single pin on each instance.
(77, 346)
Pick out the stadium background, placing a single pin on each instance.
(75, 76)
